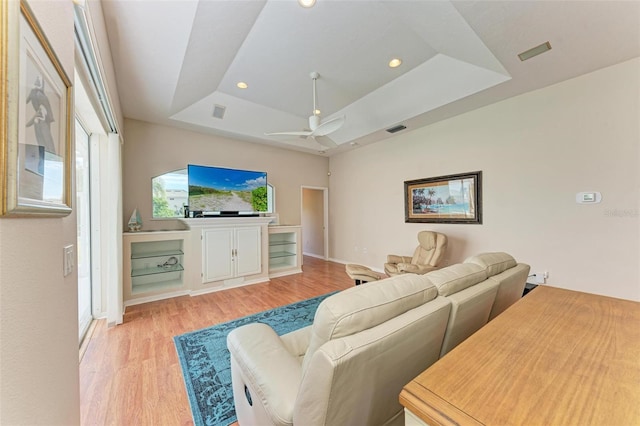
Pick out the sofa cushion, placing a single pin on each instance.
(493, 263)
(455, 278)
(360, 308)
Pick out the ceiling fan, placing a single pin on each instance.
(318, 130)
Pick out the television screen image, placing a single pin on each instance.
(217, 189)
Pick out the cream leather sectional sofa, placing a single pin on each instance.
(365, 344)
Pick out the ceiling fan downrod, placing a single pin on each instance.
(314, 119)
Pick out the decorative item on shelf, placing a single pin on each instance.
(172, 261)
(135, 223)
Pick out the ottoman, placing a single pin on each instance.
(361, 274)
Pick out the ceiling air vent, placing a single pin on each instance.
(396, 128)
(218, 111)
(534, 51)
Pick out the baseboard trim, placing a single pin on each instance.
(147, 299)
(317, 256)
(193, 293)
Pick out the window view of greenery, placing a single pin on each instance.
(170, 194)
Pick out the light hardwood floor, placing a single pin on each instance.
(130, 374)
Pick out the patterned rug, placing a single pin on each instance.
(205, 362)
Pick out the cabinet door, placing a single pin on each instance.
(248, 242)
(217, 254)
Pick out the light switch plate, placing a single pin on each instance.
(68, 259)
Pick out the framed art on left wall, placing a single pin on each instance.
(36, 121)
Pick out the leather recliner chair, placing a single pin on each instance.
(426, 256)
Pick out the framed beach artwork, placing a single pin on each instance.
(36, 119)
(444, 199)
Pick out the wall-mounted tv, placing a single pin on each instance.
(218, 190)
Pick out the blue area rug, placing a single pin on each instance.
(205, 360)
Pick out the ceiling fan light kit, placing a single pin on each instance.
(318, 129)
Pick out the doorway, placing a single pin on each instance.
(315, 222)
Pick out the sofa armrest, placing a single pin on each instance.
(270, 372)
(415, 269)
(393, 258)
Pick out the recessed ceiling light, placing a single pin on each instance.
(306, 3)
(534, 51)
(395, 62)
(242, 85)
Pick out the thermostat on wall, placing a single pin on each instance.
(588, 197)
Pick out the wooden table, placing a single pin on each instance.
(556, 357)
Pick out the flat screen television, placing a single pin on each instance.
(218, 190)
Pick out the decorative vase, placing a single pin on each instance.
(135, 223)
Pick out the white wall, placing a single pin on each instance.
(151, 150)
(536, 152)
(38, 306)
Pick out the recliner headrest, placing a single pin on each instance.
(427, 239)
(366, 306)
(455, 278)
(493, 263)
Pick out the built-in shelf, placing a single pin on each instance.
(156, 270)
(153, 266)
(156, 286)
(161, 253)
(281, 254)
(281, 243)
(285, 250)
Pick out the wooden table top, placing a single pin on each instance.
(556, 357)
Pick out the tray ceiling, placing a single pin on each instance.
(176, 61)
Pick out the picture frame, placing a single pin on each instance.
(35, 130)
(444, 199)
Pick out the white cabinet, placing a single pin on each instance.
(230, 252)
(285, 250)
(153, 265)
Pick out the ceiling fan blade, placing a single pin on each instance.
(325, 141)
(328, 126)
(302, 133)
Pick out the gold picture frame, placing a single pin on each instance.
(444, 199)
(35, 130)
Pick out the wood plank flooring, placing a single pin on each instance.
(130, 374)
